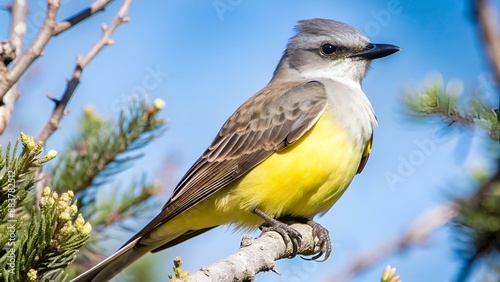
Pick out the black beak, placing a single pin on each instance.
(375, 51)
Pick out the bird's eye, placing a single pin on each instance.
(328, 49)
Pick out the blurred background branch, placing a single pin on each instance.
(488, 22)
(418, 234)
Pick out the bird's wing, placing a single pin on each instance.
(260, 127)
(366, 154)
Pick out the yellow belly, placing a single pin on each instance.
(303, 180)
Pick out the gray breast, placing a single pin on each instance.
(349, 106)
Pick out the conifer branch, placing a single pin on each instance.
(436, 102)
(37, 242)
(98, 152)
(477, 215)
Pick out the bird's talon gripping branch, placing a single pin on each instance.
(286, 232)
(324, 242)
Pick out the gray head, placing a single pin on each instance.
(327, 48)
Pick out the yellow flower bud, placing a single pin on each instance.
(43, 201)
(65, 198)
(27, 141)
(62, 205)
(51, 154)
(87, 228)
(51, 201)
(46, 192)
(79, 222)
(73, 209)
(88, 110)
(159, 104)
(64, 216)
(32, 275)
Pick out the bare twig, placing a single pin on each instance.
(487, 18)
(417, 233)
(254, 256)
(81, 62)
(94, 8)
(34, 51)
(18, 10)
(50, 28)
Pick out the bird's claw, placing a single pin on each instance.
(286, 232)
(324, 243)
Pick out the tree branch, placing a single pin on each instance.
(34, 51)
(488, 23)
(417, 233)
(254, 256)
(50, 28)
(18, 10)
(68, 23)
(81, 62)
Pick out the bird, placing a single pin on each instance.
(288, 152)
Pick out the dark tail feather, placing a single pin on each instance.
(127, 255)
(113, 265)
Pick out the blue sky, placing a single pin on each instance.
(207, 62)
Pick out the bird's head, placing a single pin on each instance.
(330, 49)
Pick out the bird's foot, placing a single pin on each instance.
(323, 241)
(287, 233)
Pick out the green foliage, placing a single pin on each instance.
(18, 173)
(99, 149)
(178, 272)
(436, 101)
(478, 216)
(478, 223)
(37, 242)
(121, 205)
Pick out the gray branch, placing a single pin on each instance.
(81, 62)
(488, 21)
(418, 233)
(18, 10)
(49, 29)
(255, 256)
(68, 23)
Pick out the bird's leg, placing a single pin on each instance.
(287, 233)
(324, 242)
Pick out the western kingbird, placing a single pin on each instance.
(289, 151)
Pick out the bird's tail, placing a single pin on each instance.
(114, 264)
